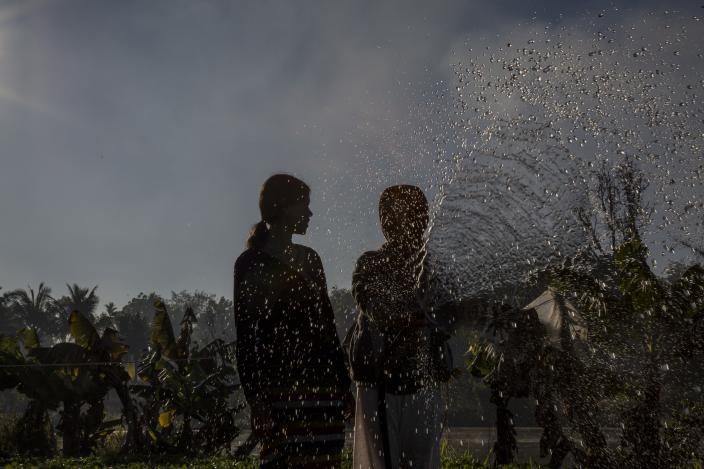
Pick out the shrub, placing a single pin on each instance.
(186, 392)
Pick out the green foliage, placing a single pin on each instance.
(82, 331)
(66, 377)
(161, 335)
(481, 359)
(186, 392)
(505, 366)
(36, 309)
(28, 337)
(643, 352)
(646, 338)
(83, 300)
(133, 462)
(683, 434)
(29, 434)
(649, 324)
(450, 460)
(133, 322)
(7, 428)
(33, 434)
(215, 315)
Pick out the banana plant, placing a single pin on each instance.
(67, 377)
(186, 392)
(108, 372)
(33, 432)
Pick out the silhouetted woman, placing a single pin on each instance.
(398, 350)
(290, 362)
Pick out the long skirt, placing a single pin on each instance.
(307, 434)
(414, 429)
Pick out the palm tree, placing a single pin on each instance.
(83, 300)
(107, 318)
(110, 309)
(34, 309)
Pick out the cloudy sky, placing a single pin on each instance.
(134, 135)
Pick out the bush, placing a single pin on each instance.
(30, 434)
(7, 425)
(186, 392)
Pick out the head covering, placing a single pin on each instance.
(403, 212)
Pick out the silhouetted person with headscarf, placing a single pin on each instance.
(398, 350)
(289, 357)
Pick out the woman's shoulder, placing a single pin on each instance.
(250, 259)
(370, 260)
(307, 253)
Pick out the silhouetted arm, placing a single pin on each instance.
(438, 304)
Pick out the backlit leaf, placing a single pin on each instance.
(162, 333)
(29, 338)
(83, 331)
(113, 344)
(166, 418)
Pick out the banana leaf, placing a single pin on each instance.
(83, 331)
(10, 352)
(162, 333)
(112, 345)
(62, 353)
(166, 418)
(28, 337)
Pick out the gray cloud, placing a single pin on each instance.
(135, 135)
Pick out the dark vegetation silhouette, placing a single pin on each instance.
(38, 308)
(83, 300)
(185, 393)
(638, 368)
(64, 383)
(70, 378)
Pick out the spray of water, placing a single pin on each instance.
(537, 113)
(545, 119)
